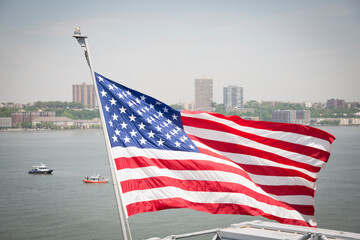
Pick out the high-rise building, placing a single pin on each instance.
(203, 94)
(233, 97)
(335, 103)
(84, 93)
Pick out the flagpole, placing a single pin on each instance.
(116, 184)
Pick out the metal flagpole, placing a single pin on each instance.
(116, 184)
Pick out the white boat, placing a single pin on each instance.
(40, 169)
(95, 179)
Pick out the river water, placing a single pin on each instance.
(61, 206)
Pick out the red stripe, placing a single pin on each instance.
(239, 149)
(161, 204)
(284, 145)
(273, 126)
(198, 165)
(283, 190)
(275, 171)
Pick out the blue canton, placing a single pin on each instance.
(134, 119)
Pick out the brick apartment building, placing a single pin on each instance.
(18, 118)
(85, 93)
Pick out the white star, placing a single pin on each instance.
(168, 136)
(192, 147)
(169, 121)
(117, 132)
(110, 87)
(142, 141)
(133, 133)
(120, 96)
(122, 109)
(141, 126)
(149, 120)
(137, 100)
(160, 114)
(158, 128)
(128, 92)
(177, 144)
(115, 117)
(143, 97)
(115, 86)
(130, 104)
(166, 109)
(111, 124)
(100, 79)
(123, 125)
(113, 101)
(132, 118)
(160, 142)
(107, 108)
(151, 106)
(126, 139)
(115, 139)
(151, 134)
(158, 103)
(103, 93)
(139, 112)
(174, 117)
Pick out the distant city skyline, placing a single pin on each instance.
(297, 51)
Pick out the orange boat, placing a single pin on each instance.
(95, 179)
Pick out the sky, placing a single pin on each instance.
(284, 50)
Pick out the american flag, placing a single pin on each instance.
(208, 162)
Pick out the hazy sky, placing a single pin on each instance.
(277, 50)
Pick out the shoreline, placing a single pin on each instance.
(42, 129)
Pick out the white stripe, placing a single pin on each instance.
(281, 181)
(296, 199)
(211, 197)
(278, 135)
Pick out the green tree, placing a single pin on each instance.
(26, 125)
(6, 112)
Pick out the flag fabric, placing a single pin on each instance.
(208, 162)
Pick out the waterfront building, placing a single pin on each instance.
(85, 93)
(5, 122)
(57, 121)
(292, 116)
(233, 96)
(94, 123)
(18, 118)
(203, 94)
